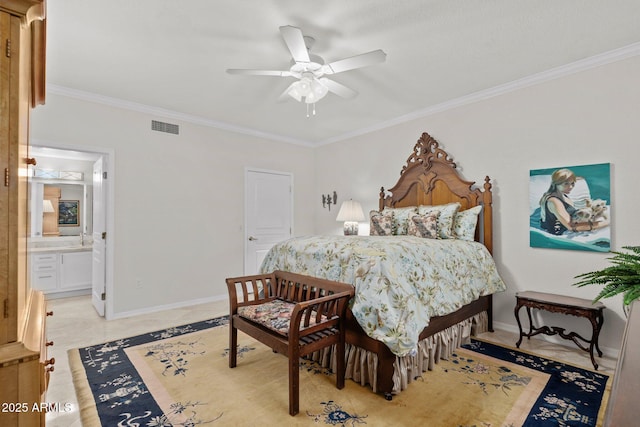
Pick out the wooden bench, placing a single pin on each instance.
(566, 305)
(292, 314)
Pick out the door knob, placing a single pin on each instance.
(252, 238)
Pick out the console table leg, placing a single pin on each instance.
(596, 322)
(530, 322)
(593, 360)
(517, 314)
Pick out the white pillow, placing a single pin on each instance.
(465, 223)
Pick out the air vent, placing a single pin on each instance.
(165, 127)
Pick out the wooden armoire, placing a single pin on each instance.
(24, 366)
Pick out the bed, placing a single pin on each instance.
(399, 323)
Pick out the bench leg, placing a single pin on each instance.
(340, 364)
(294, 382)
(233, 344)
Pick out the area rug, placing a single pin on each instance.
(181, 377)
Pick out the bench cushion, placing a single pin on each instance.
(275, 315)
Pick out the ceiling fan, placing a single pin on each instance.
(310, 70)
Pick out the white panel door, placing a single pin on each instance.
(98, 263)
(268, 214)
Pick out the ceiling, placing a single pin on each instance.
(170, 57)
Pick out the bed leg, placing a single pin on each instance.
(385, 371)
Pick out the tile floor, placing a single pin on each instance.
(76, 324)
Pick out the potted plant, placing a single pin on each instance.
(621, 277)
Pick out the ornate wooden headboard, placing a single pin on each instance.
(430, 177)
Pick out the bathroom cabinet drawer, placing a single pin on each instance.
(44, 258)
(48, 266)
(45, 281)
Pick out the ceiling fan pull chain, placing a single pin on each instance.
(314, 108)
(307, 110)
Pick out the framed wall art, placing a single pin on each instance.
(570, 207)
(69, 213)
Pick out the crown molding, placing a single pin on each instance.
(544, 76)
(534, 79)
(168, 114)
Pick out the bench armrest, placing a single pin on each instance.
(255, 289)
(311, 316)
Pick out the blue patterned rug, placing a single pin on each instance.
(180, 377)
(572, 396)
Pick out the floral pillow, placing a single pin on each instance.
(445, 219)
(381, 224)
(401, 218)
(424, 225)
(465, 222)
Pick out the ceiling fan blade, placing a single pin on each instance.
(358, 61)
(295, 42)
(259, 72)
(338, 88)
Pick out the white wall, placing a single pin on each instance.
(179, 199)
(589, 117)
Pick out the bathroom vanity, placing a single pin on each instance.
(61, 271)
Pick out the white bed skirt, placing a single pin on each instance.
(361, 365)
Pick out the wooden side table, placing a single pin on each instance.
(566, 305)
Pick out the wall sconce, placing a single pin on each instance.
(350, 212)
(329, 200)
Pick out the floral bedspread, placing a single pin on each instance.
(401, 281)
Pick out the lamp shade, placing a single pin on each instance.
(350, 211)
(47, 206)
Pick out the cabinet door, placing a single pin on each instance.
(75, 270)
(13, 144)
(6, 334)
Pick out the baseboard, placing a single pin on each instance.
(157, 308)
(66, 294)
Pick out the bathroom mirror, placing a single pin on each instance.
(60, 209)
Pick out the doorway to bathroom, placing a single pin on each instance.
(71, 227)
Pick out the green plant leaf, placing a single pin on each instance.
(621, 277)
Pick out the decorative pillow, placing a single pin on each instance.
(424, 225)
(445, 220)
(465, 222)
(275, 315)
(401, 218)
(381, 224)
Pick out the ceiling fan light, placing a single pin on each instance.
(319, 89)
(294, 92)
(304, 86)
(317, 92)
